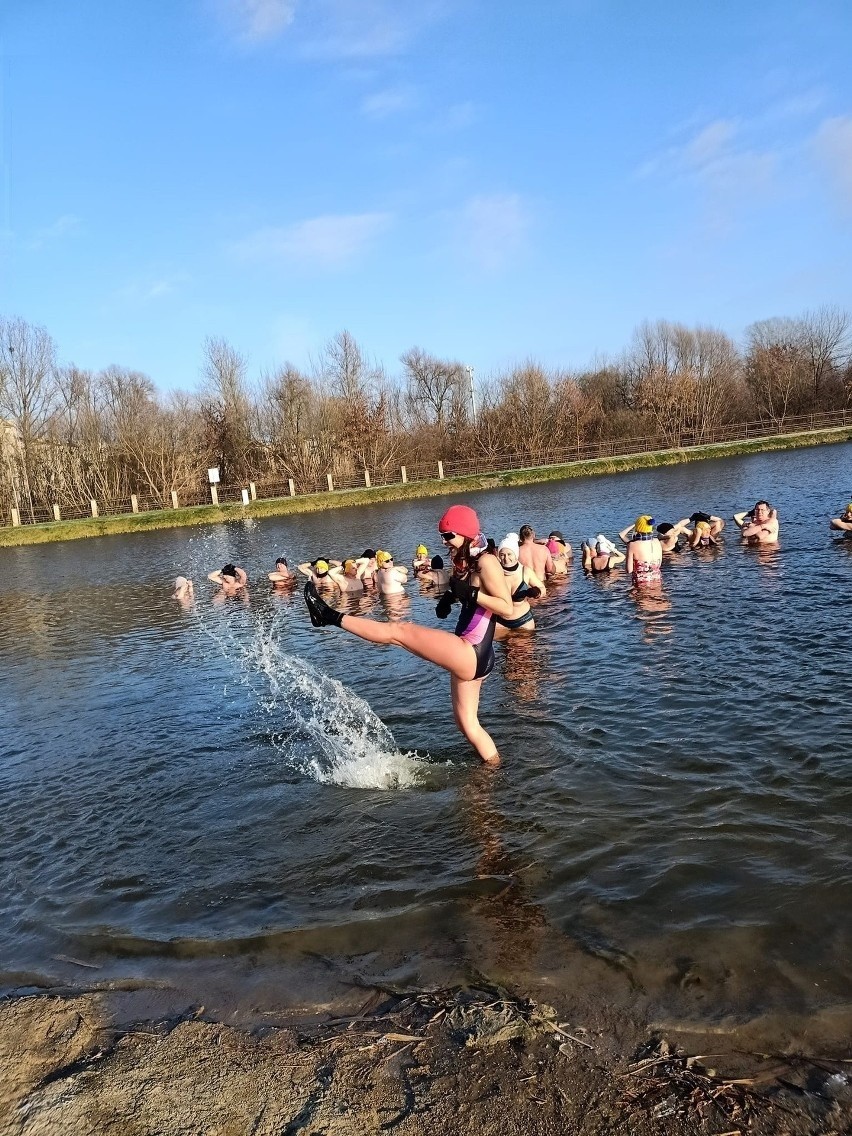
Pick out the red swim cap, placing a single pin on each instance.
(460, 519)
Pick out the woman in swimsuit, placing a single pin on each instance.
(479, 585)
(600, 557)
(644, 553)
(524, 585)
(843, 523)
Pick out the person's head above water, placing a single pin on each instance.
(421, 550)
(230, 570)
(644, 524)
(527, 533)
(761, 511)
(459, 520)
(321, 567)
(368, 554)
(508, 549)
(350, 568)
(383, 558)
(281, 562)
(557, 535)
(437, 562)
(665, 528)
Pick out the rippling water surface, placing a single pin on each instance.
(224, 780)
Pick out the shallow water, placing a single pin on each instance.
(227, 781)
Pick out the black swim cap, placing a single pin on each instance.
(368, 553)
(229, 570)
(437, 562)
(282, 560)
(665, 527)
(696, 517)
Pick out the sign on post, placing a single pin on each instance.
(213, 475)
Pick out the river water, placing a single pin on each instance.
(186, 786)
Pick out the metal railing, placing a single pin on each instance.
(269, 487)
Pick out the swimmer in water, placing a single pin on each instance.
(184, 590)
(389, 578)
(231, 579)
(367, 567)
(534, 555)
(670, 535)
(843, 523)
(760, 526)
(479, 585)
(600, 557)
(317, 572)
(346, 576)
(560, 551)
(421, 562)
(437, 575)
(282, 575)
(524, 586)
(644, 552)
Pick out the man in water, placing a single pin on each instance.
(346, 576)
(282, 574)
(844, 523)
(231, 579)
(317, 572)
(389, 578)
(760, 526)
(534, 555)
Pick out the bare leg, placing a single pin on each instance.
(441, 647)
(465, 695)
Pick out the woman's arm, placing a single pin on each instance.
(625, 534)
(494, 594)
(534, 581)
(216, 577)
(615, 557)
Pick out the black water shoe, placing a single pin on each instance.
(321, 614)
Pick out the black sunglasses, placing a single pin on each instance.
(446, 535)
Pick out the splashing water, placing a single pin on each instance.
(322, 728)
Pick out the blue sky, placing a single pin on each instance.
(485, 179)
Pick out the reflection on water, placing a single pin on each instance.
(224, 780)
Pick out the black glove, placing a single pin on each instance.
(462, 589)
(533, 593)
(444, 605)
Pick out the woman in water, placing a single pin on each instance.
(644, 552)
(524, 585)
(561, 553)
(600, 557)
(479, 585)
(843, 523)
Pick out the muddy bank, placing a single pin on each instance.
(476, 1060)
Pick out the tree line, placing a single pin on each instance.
(68, 435)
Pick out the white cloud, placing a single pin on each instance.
(716, 160)
(492, 229)
(329, 243)
(383, 104)
(833, 146)
(63, 226)
(367, 29)
(258, 21)
(145, 291)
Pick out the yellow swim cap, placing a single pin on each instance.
(383, 557)
(347, 564)
(703, 527)
(644, 524)
(321, 566)
(421, 550)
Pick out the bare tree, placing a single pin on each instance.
(226, 408)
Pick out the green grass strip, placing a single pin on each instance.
(341, 498)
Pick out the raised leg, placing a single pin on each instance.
(440, 647)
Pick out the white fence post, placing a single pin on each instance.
(292, 485)
(214, 494)
(57, 516)
(16, 518)
(245, 496)
(134, 502)
(94, 505)
(330, 483)
(253, 490)
(440, 471)
(174, 499)
(404, 475)
(367, 478)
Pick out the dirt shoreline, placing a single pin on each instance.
(470, 1060)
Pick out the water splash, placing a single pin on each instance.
(321, 727)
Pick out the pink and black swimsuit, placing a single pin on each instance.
(476, 626)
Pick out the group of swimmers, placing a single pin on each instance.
(492, 584)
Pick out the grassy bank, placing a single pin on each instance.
(317, 502)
